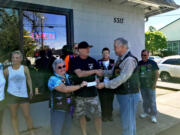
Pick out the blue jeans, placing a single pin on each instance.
(149, 101)
(128, 107)
(61, 122)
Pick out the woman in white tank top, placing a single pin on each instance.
(2, 104)
(17, 94)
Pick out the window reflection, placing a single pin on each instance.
(44, 35)
(44, 39)
(9, 33)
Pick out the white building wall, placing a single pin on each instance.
(172, 31)
(94, 23)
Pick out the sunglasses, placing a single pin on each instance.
(143, 55)
(75, 48)
(61, 67)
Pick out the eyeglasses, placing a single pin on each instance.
(75, 48)
(61, 67)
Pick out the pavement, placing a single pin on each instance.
(168, 105)
(168, 85)
(175, 130)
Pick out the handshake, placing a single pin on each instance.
(100, 73)
(96, 83)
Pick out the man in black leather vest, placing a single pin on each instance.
(148, 74)
(126, 85)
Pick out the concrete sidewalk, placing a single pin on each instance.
(175, 130)
(168, 85)
(169, 115)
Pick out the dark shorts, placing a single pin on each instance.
(2, 105)
(11, 99)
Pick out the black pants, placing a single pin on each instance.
(106, 100)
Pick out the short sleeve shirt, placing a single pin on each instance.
(147, 73)
(85, 65)
(54, 81)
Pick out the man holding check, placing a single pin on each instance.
(126, 85)
(87, 102)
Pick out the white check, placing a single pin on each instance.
(90, 84)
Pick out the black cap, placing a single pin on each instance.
(83, 45)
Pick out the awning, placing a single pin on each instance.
(155, 7)
(152, 7)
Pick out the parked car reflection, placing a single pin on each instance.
(157, 59)
(169, 68)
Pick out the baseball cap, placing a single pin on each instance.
(83, 45)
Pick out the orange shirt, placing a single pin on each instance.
(67, 59)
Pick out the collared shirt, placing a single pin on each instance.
(122, 57)
(56, 80)
(127, 68)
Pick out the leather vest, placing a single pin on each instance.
(132, 84)
(59, 97)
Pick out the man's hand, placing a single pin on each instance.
(83, 84)
(99, 72)
(100, 86)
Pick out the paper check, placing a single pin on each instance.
(90, 84)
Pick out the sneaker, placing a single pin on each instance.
(143, 115)
(153, 119)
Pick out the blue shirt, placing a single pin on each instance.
(56, 80)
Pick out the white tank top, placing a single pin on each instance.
(17, 82)
(2, 83)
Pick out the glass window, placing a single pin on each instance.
(178, 61)
(43, 40)
(40, 36)
(170, 61)
(169, 46)
(151, 58)
(9, 33)
(44, 31)
(175, 47)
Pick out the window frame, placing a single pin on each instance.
(20, 6)
(23, 6)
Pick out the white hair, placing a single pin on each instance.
(121, 41)
(57, 61)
